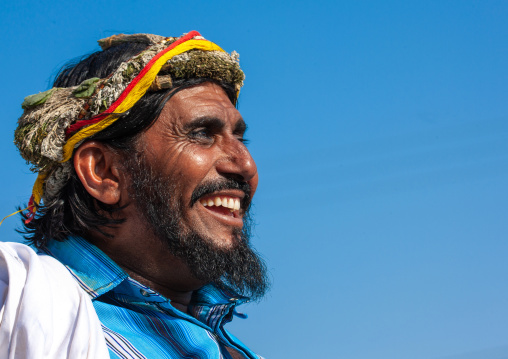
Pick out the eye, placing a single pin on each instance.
(201, 134)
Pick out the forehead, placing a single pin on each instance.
(204, 100)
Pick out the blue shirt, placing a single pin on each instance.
(140, 323)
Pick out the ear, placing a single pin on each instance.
(98, 169)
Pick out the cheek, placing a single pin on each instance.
(200, 160)
(194, 166)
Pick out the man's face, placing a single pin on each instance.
(197, 142)
(192, 180)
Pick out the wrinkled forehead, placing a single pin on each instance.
(207, 100)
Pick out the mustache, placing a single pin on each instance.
(220, 185)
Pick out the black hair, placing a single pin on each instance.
(74, 211)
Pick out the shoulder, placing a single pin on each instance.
(43, 309)
(17, 259)
(26, 272)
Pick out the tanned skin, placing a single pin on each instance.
(197, 138)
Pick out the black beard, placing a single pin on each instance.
(238, 269)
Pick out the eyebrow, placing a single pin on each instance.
(215, 123)
(205, 121)
(240, 126)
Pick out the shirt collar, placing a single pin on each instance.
(215, 307)
(97, 273)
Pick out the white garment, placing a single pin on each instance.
(43, 311)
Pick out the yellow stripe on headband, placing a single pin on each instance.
(38, 188)
(135, 94)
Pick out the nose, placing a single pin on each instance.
(237, 161)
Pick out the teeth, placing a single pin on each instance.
(232, 203)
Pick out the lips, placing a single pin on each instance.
(222, 188)
(222, 202)
(231, 203)
(225, 208)
(226, 205)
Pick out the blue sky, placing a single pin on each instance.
(380, 133)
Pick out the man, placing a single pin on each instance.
(141, 202)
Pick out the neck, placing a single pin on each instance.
(180, 297)
(145, 258)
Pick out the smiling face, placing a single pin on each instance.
(197, 144)
(192, 180)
